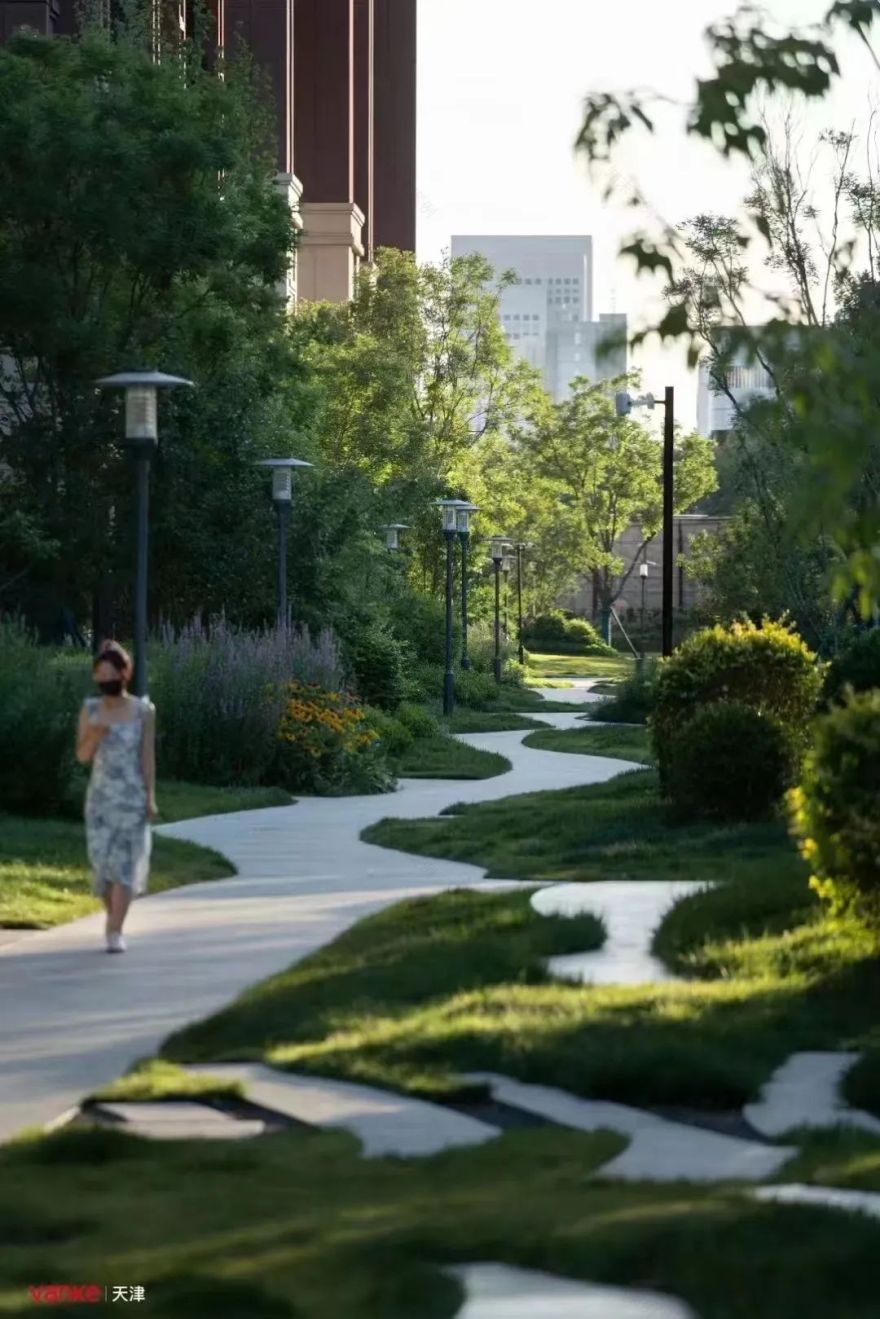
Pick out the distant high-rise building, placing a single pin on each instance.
(723, 389)
(548, 314)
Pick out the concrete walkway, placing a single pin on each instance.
(73, 1019)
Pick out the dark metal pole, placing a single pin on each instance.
(497, 563)
(668, 516)
(449, 676)
(283, 511)
(519, 616)
(644, 591)
(142, 470)
(464, 537)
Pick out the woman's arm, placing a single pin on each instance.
(89, 736)
(148, 759)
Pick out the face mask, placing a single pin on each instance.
(111, 688)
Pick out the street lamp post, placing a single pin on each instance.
(282, 496)
(463, 516)
(392, 535)
(643, 574)
(449, 511)
(625, 404)
(141, 437)
(506, 567)
(520, 548)
(498, 550)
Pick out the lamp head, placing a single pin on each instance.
(282, 476)
(141, 412)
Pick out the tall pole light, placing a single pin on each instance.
(282, 470)
(624, 406)
(506, 568)
(497, 550)
(449, 512)
(463, 515)
(643, 574)
(520, 549)
(392, 535)
(141, 438)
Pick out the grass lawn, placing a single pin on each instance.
(296, 1226)
(539, 667)
(487, 721)
(45, 877)
(444, 757)
(184, 801)
(619, 743)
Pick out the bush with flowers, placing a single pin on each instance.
(326, 745)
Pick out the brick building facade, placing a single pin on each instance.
(343, 77)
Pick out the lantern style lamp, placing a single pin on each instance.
(499, 547)
(392, 534)
(282, 470)
(141, 437)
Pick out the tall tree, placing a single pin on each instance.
(608, 471)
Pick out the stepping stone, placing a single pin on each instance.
(805, 1092)
(659, 1150)
(824, 1197)
(384, 1122)
(495, 1291)
(181, 1121)
(631, 911)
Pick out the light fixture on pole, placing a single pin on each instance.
(498, 549)
(449, 512)
(392, 534)
(282, 470)
(141, 438)
(521, 547)
(624, 406)
(463, 515)
(643, 574)
(506, 568)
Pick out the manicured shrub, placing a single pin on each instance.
(219, 695)
(39, 700)
(766, 667)
(325, 744)
(476, 690)
(835, 811)
(730, 762)
(481, 647)
(558, 633)
(377, 662)
(419, 721)
(393, 736)
(419, 622)
(633, 699)
(858, 667)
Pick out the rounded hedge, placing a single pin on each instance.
(557, 633)
(767, 667)
(835, 811)
(856, 667)
(730, 762)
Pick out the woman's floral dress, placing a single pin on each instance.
(117, 829)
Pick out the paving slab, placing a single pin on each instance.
(384, 1122)
(805, 1092)
(495, 1291)
(631, 911)
(823, 1197)
(181, 1121)
(74, 1019)
(659, 1150)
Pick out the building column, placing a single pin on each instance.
(364, 115)
(265, 28)
(324, 149)
(394, 203)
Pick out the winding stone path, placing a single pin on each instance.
(805, 1092)
(73, 1019)
(659, 1150)
(495, 1291)
(631, 911)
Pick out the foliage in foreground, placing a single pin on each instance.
(731, 762)
(371, 1238)
(38, 703)
(836, 808)
(632, 700)
(856, 667)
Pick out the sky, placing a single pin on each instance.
(501, 84)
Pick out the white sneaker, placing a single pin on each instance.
(115, 943)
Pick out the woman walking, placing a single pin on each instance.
(116, 734)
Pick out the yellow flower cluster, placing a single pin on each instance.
(320, 722)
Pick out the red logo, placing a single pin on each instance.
(66, 1293)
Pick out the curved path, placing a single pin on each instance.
(72, 1019)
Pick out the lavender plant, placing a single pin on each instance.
(220, 693)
